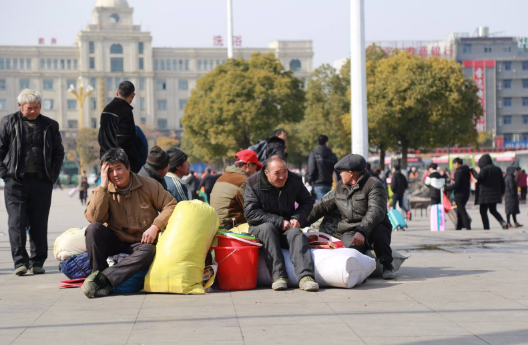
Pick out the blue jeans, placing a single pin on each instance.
(320, 191)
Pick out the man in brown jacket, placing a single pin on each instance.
(126, 212)
(227, 197)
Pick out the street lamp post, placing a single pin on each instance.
(80, 95)
(229, 29)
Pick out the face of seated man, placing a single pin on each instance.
(277, 173)
(119, 174)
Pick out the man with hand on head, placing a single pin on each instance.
(126, 212)
(269, 208)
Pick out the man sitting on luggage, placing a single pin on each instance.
(362, 202)
(269, 207)
(126, 212)
(227, 197)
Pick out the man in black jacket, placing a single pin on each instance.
(461, 187)
(398, 186)
(269, 208)
(117, 127)
(362, 202)
(31, 155)
(157, 166)
(321, 168)
(262, 149)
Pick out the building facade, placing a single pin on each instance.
(113, 49)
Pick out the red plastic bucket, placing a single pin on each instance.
(237, 267)
(228, 241)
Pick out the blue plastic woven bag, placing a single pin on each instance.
(133, 284)
(76, 266)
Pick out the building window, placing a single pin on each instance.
(116, 49)
(28, 64)
(508, 137)
(183, 85)
(55, 64)
(162, 65)
(8, 63)
(199, 67)
(466, 49)
(525, 119)
(116, 64)
(140, 47)
(42, 64)
(488, 49)
(2, 63)
(507, 49)
(2, 84)
(507, 120)
(142, 103)
(507, 83)
(141, 64)
(182, 103)
(48, 104)
(180, 65)
(93, 103)
(169, 64)
(525, 83)
(22, 63)
(48, 63)
(72, 123)
(63, 66)
(92, 63)
(162, 124)
(525, 137)
(155, 65)
(162, 104)
(91, 47)
(142, 83)
(92, 82)
(117, 81)
(206, 65)
(70, 82)
(211, 64)
(72, 105)
(68, 64)
(3, 104)
(109, 83)
(507, 65)
(525, 101)
(186, 65)
(48, 84)
(295, 65)
(24, 84)
(93, 122)
(525, 65)
(15, 63)
(174, 65)
(507, 102)
(161, 85)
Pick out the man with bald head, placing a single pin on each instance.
(269, 208)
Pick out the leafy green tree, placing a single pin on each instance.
(88, 148)
(239, 103)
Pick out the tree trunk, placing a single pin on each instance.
(405, 148)
(382, 158)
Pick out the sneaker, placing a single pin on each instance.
(504, 226)
(21, 270)
(307, 283)
(104, 291)
(37, 270)
(388, 273)
(517, 225)
(94, 282)
(280, 284)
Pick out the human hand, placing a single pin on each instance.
(104, 175)
(285, 225)
(295, 223)
(358, 239)
(150, 235)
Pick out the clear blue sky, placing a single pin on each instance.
(193, 23)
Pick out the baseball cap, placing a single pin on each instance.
(248, 156)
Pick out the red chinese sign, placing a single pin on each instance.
(425, 51)
(237, 41)
(53, 41)
(479, 75)
(41, 41)
(217, 41)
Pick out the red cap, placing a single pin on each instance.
(248, 156)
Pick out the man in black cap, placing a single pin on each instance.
(178, 168)
(157, 165)
(362, 202)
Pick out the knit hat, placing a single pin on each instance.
(176, 157)
(157, 158)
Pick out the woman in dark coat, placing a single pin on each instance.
(511, 197)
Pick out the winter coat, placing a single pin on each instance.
(208, 182)
(511, 198)
(321, 166)
(434, 181)
(194, 184)
(178, 189)
(521, 179)
(269, 147)
(142, 146)
(117, 129)
(399, 183)
(263, 203)
(490, 182)
(129, 216)
(462, 184)
(11, 144)
(362, 207)
(227, 197)
(148, 171)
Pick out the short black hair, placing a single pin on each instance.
(274, 158)
(278, 131)
(433, 166)
(126, 89)
(322, 139)
(115, 155)
(396, 167)
(458, 160)
(369, 166)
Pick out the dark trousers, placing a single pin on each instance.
(484, 214)
(28, 203)
(462, 215)
(380, 239)
(514, 216)
(523, 193)
(274, 239)
(101, 242)
(398, 198)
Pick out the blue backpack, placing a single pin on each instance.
(76, 266)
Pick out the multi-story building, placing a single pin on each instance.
(113, 49)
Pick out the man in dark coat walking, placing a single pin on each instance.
(461, 188)
(490, 190)
(321, 168)
(269, 208)
(511, 198)
(262, 149)
(117, 127)
(398, 186)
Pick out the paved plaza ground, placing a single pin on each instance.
(457, 287)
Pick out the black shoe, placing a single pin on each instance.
(388, 273)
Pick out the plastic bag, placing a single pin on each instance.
(70, 242)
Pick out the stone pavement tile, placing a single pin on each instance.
(267, 295)
(176, 332)
(272, 314)
(298, 334)
(476, 310)
(449, 296)
(498, 332)
(512, 290)
(363, 293)
(74, 299)
(174, 300)
(425, 340)
(190, 315)
(522, 301)
(12, 324)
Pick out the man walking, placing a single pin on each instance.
(521, 182)
(321, 167)
(461, 188)
(262, 150)
(31, 155)
(117, 127)
(178, 168)
(398, 186)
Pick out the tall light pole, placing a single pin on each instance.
(358, 78)
(80, 96)
(229, 29)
